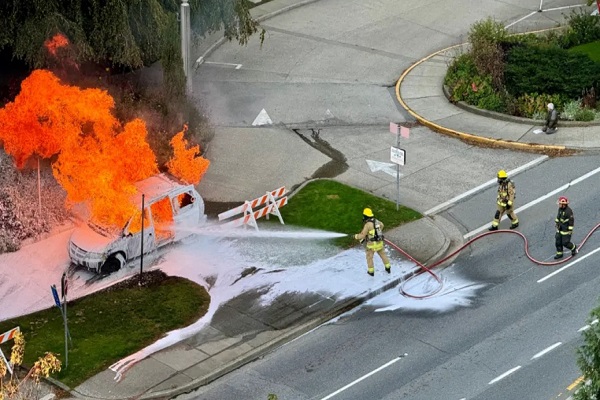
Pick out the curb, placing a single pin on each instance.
(468, 137)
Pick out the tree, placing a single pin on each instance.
(122, 33)
(588, 359)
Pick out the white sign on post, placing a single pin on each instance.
(398, 155)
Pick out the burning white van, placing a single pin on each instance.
(171, 211)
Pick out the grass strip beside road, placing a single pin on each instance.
(334, 207)
(111, 324)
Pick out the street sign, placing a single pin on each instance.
(398, 155)
(55, 295)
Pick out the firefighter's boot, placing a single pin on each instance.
(558, 256)
(371, 271)
(574, 251)
(514, 225)
(388, 269)
(493, 228)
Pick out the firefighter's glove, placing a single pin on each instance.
(356, 236)
(509, 205)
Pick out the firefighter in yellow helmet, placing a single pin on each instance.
(372, 232)
(505, 201)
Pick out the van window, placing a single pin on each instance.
(135, 224)
(183, 201)
(162, 215)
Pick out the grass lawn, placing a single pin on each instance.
(591, 49)
(335, 207)
(111, 324)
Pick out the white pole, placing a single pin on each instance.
(185, 44)
(540, 9)
(39, 189)
(398, 174)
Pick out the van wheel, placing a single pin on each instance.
(113, 264)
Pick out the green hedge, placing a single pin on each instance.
(549, 70)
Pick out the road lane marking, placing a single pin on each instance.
(575, 383)
(504, 375)
(546, 350)
(585, 328)
(487, 184)
(538, 200)
(568, 265)
(362, 378)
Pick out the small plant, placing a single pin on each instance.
(26, 388)
(570, 110)
(585, 114)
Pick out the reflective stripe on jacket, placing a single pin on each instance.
(565, 221)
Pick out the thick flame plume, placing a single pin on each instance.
(187, 164)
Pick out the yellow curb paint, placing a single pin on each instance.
(464, 135)
(575, 383)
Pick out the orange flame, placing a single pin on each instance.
(98, 159)
(186, 164)
(56, 42)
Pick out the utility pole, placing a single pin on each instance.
(185, 44)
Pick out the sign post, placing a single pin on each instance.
(62, 306)
(398, 155)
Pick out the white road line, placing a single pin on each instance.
(568, 265)
(520, 19)
(504, 375)
(362, 378)
(489, 183)
(201, 60)
(538, 200)
(546, 350)
(585, 328)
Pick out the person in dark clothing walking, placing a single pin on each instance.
(564, 228)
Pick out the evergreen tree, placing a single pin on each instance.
(589, 360)
(124, 33)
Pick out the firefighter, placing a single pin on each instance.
(564, 228)
(372, 232)
(505, 201)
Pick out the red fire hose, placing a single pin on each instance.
(441, 284)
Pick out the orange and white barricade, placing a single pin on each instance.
(272, 200)
(5, 337)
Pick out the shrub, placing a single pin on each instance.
(533, 104)
(486, 37)
(570, 110)
(582, 27)
(550, 70)
(585, 114)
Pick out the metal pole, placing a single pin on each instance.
(185, 44)
(142, 244)
(39, 189)
(398, 174)
(66, 333)
(540, 9)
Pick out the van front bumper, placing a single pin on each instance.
(89, 260)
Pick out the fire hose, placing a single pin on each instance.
(428, 269)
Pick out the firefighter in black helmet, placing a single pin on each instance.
(505, 201)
